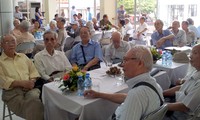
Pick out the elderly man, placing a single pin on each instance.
(62, 34)
(25, 35)
(116, 50)
(17, 77)
(49, 62)
(87, 54)
(190, 35)
(161, 38)
(16, 31)
(187, 95)
(140, 100)
(180, 35)
(193, 28)
(75, 29)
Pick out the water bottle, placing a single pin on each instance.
(169, 59)
(87, 82)
(80, 84)
(164, 58)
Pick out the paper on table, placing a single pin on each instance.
(184, 48)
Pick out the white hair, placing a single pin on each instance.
(143, 53)
(53, 22)
(25, 25)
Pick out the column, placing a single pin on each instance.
(50, 9)
(108, 7)
(6, 16)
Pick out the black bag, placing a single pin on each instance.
(39, 84)
(92, 67)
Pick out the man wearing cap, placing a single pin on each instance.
(75, 29)
(62, 34)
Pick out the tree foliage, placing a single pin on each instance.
(143, 6)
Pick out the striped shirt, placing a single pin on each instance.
(140, 100)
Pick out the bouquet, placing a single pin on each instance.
(70, 79)
(157, 54)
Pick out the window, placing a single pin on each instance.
(192, 10)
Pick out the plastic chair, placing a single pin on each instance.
(22, 47)
(9, 112)
(157, 114)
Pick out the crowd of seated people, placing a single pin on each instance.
(50, 61)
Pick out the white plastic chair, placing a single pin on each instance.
(24, 46)
(157, 114)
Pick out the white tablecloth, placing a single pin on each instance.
(67, 107)
(59, 106)
(176, 71)
(163, 80)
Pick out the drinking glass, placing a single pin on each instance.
(109, 62)
(120, 79)
(96, 86)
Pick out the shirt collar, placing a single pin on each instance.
(133, 81)
(121, 45)
(45, 52)
(196, 75)
(4, 56)
(90, 42)
(158, 34)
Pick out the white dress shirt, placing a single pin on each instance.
(46, 64)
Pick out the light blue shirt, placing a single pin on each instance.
(156, 36)
(91, 50)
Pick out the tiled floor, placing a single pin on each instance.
(14, 117)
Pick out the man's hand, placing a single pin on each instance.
(91, 94)
(28, 84)
(160, 42)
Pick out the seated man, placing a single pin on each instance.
(116, 50)
(25, 35)
(87, 54)
(187, 95)
(161, 38)
(49, 61)
(17, 77)
(190, 35)
(179, 35)
(140, 100)
(75, 29)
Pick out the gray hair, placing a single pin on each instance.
(50, 32)
(53, 22)
(24, 25)
(62, 20)
(143, 53)
(160, 22)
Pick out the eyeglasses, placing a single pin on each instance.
(128, 59)
(10, 42)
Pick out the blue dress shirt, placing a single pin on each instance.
(156, 36)
(91, 50)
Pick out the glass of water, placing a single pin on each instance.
(120, 79)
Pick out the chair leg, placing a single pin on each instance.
(4, 113)
(9, 113)
(4, 107)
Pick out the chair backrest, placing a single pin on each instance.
(22, 47)
(157, 114)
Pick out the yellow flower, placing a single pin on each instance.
(79, 74)
(75, 68)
